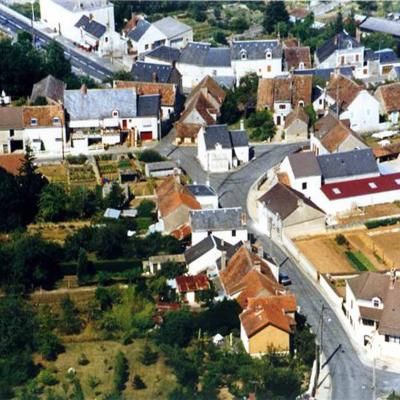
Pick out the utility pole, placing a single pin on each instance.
(32, 19)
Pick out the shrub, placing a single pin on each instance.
(83, 360)
(149, 155)
(79, 159)
(148, 356)
(341, 240)
(382, 222)
(93, 381)
(120, 372)
(47, 378)
(138, 383)
(146, 208)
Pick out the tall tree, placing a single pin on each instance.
(57, 64)
(69, 322)
(116, 197)
(275, 12)
(52, 203)
(10, 200)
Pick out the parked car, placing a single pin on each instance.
(284, 279)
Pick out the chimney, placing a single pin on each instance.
(393, 278)
(243, 218)
(242, 125)
(260, 251)
(300, 203)
(84, 89)
(222, 242)
(247, 245)
(257, 265)
(154, 78)
(223, 260)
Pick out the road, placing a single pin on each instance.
(79, 61)
(351, 379)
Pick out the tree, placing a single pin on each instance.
(83, 266)
(120, 372)
(84, 203)
(220, 37)
(239, 24)
(116, 197)
(338, 24)
(150, 155)
(309, 109)
(146, 208)
(40, 101)
(264, 125)
(69, 322)
(178, 328)
(198, 10)
(11, 203)
(147, 355)
(275, 12)
(138, 383)
(52, 203)
(57, 64)
(379, 41)
(367, 7)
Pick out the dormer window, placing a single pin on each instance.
(301, 103)
(376, 302)
(34, 121)
(115, 114)
(56, 120)
(301, 65)
(243, 54)
(349, 45)
(268, 54)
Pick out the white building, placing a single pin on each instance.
(220, 150)
(204, 194)
(227, 224)
(372, 308)
(389, 101)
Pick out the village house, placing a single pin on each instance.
(389, 101)
(186, 133)
(262, 57)
(351, 101)
(296, 125)
(12, 163)
(379, 25)
(220, 150)
(297, 58)
(88, 24)
(50, 89)
(333, 136)
(163, 55)
(282, 94)
(188, 286)
(155, 263)
(228, 224)
(204, 194)
(161, 169)
(283, 208)
(373, 310)
(11, 130)
(174, 203)
(104, 117)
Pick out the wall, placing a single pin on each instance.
(208, 201)
(241, 235)
(260, 67)
(146, 42)
(298, 130)
(176, 218)
(334, 60)
(269, 337)
(50, 138)
(242, 153)
(204, 262)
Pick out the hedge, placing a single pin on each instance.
(381, 222)
(359, 261)
(143, 223)
(112, 266)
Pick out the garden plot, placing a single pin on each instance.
(55, 173)
(81, 175)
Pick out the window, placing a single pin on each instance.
(34, 121)
(397, 181)
(115, 114)
(320, 102)
(268, 54)
(106, 39)
(269, 68)
(349, 45)
(336, 191)
(5, 148)
(243, 54)
(304, 185)
(342, 60)
(301, 65)
(56, 121)
(233, 232)
(372, 185)
(282, 106)
(301, 103)
(146, 46)
(11, 132)
(357, 57)
(209, 233)
(376, 303)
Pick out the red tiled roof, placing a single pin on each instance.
(192, 283)
(360, 187)
(182, 232)
(12, 162)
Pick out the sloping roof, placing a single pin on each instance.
(324, 125)
(218, 57)
(161, 165)
(219, 134)
(201, 190)
(389, 150)
(11, 118)
(167, 91)
(324, 73)
(141, 28)
(199, 249)
(348, 164)
(169, 185)
(200, 104)
(192, 283)
(266, 311)
(255, 49)
(389, 97)
(284, 200)
(374, 24)
(12, 163)
(196, 53)
(219, 219)
(210, 87)
(44, 115)
(50, 88)
(304, 164)
(338, 42)
(297, 114)
(171, 27)
(294, 56)
(91, 26)
(147, 72)
(336, 136)
(165, 53)
(181, 232)
(184, 130)
(100, 103)
(148, 105)
(171, 202)
(343, 90)
(361, 187)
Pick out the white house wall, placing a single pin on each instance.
(51, 138)
(227, 236)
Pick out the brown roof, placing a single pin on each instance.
(297, 113)
(284, 200)
(373, 314)
(296, 55)
(11, 118)
(202, 106)
(343, 90)
(167, 91)
(209, 87)
(168, 185)
(11, 162)
(267, 311)
(182, 232)
(299, 13)
(304, 164)
(291, 89)
(291, 42)
(389, 96)
(185, 130)
(43, 114)
(192, 283)
(324, 125)
(389, 150)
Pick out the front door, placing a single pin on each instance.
(124, 124)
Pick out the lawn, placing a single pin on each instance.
(101, 355)
(359, 261)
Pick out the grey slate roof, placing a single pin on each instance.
(92, 27)
(218, 57)
(227, 139)
(205, 55)
(283, 200)
(148, 105)
(374, 24)
(171, 27)
(165, 53)
(348, 164)
(49, 87)
(219, 219)
(201, 190)
(143, 72)
(161, 166)
(199, 249)
(304, 164)
(225, 81)
(338, 42)
(386, 56)
(256, 49)
(141, 28)
(100, 103)
(324, 73)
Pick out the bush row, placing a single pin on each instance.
(381, 222)
(112, 266)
